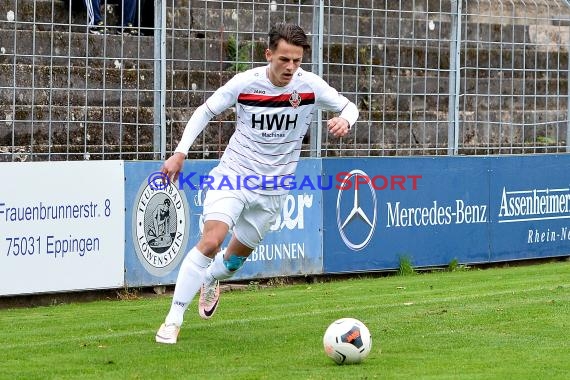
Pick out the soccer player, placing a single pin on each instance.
(274, 105)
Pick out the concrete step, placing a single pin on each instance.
(76, 152)
(330, 149)
(401, 8)
(397, 89)
(403, 21)
(130, 125)
(76, 125)
(75, 49)
(57, 10)
(528, 128)
(485, 129)
(53, 15)
(61, 86)
(95, 86)
(89, 123)
(65, 85)
(79, 50)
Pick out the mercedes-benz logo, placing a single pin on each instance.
(356, 213)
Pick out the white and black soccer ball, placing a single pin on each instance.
(347, 341)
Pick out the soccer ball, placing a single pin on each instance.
(347, 341)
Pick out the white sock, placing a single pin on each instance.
(218, 269)
(189, 281)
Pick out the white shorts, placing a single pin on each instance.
(250, 214)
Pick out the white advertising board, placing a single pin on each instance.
(61, 226)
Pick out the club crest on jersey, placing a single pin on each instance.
(295, 99)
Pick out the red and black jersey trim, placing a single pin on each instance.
(259, 100)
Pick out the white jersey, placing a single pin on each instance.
(271, 121)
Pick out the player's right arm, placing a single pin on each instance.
(173, 165)
(223, 98)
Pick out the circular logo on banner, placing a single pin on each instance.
(356, 211)
(160, 230)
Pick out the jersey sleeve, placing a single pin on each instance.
(226, 96)
(328, 98)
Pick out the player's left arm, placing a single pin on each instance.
(329, 98)
(340, 125)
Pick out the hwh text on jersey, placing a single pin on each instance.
(277, 121)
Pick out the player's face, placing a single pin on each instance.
(283, 62)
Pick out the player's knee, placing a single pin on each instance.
(209, 245)
(234, 262)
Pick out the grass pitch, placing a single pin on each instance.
(500, 323)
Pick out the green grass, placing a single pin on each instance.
(406, 267)
(501, 323)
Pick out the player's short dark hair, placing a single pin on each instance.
(290, 33)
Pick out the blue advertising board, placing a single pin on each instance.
(436, 210)
(530, 207)
(293, 245)
(164, 222)
(426, 209)
(365, 214)
(158, 226)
